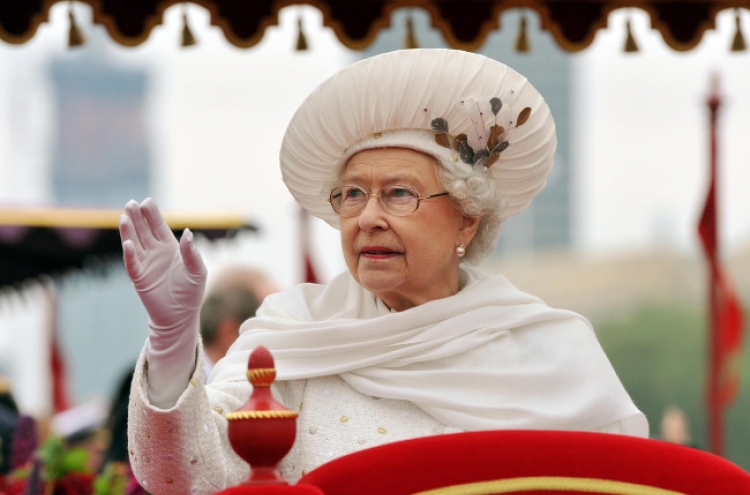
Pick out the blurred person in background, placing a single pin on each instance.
(418, 157)
(233, 298)
(675, 427)
(117, 423)
(8, 419)
(84, 426)
(239, 275)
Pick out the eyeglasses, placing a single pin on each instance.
(399, 201)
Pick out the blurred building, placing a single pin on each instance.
(100, 149)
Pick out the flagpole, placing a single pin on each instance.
(725, 312)
(715, 408)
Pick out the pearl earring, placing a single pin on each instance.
(460, 251)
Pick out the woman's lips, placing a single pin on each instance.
(377, 252)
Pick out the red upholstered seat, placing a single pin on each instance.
(474, 463)
(271, 490)
(526, 462)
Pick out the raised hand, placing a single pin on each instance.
(170, 279)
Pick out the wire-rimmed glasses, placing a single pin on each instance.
(350, 201)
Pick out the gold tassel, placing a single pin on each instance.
(522, 41)
(411, 39)
(301, 38)
(738, 43)
(75, 36)
(630, 45)
(187, 35)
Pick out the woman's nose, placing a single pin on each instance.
(373, 216)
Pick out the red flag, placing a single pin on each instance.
(725, 309)
(58, 377)
(304, 228)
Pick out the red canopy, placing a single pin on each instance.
(464, 24)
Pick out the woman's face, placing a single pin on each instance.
(404, 260)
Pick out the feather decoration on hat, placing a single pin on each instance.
(478, 112)
(485, 140)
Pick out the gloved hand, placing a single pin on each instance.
(170, 279)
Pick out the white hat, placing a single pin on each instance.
(458, 106)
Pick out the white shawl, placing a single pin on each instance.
(489, 357)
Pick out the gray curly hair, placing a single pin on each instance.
(474, 192)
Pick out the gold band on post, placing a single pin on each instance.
(261, 377)
(260, 415)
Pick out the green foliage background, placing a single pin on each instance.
(659, 352)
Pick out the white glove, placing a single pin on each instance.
(170, 279)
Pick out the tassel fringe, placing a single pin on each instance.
(75, 36)
(522, 41)
(301, 38)
(411, 39)
(187, 35)
(630, 45)
(738, 43)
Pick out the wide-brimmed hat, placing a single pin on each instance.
(461, 107)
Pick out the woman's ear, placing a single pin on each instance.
(468, 228)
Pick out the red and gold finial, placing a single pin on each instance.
(262, 431)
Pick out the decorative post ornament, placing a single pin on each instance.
(263, 430)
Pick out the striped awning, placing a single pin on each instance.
(52, 242)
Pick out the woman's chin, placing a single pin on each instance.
(380, 281)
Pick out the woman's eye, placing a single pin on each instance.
(354, 193)
(401, 193)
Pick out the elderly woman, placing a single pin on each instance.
(417, 157)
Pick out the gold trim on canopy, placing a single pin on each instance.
(110, 218)
(52, 242)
